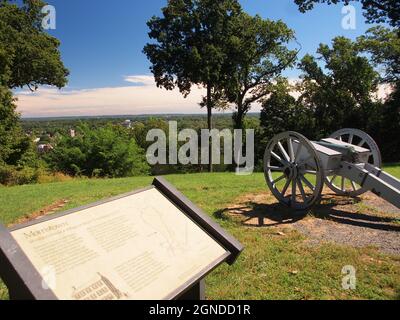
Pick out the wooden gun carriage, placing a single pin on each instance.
(348, 162)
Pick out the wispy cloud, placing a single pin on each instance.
(142, 98)
(144, 80)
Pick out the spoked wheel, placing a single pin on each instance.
(293, 170)
(341, 185)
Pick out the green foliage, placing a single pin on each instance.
(375, 11)
(341, 92)
(281, 112)
(16, 148)
(389, 127)
(216, 45)
(19, 163)
(192, 47)
(384, 47)
(28, 55)
(19, 175)
(102, 152)
(140, 130)
(258, 54)
(9, 129)
(191, 40)
(338, 90)
(140, 127)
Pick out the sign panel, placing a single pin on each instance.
(141, 246)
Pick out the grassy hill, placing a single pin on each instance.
(274, 265)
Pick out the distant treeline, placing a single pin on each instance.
(53, 125)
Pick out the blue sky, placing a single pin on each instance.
(102, 42)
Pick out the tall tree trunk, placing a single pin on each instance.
(238, 117)
(238, 120)
(210, 126)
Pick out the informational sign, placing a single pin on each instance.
(138, 246)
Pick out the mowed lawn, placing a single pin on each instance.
(271, 267)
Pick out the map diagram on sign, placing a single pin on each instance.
(174, 240)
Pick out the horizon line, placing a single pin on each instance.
(130, 115)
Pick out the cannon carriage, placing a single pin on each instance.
(348, 162)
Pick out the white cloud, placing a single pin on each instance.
(140, 79)
(144, 98)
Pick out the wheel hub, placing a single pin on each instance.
(291, 171)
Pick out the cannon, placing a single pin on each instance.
(348, 162)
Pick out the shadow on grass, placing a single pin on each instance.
(266, 215)
(253, 214)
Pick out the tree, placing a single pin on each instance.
(191, 41)
(32, 56)
(28, 57)
(4, 70)
(104, 152)
(258, 54)
(13, 142)
(281, 112)
(389, 127)
(375, 11)
(341, 91)
(384, 47)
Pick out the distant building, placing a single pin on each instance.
(43, 148)
(127, 124)
(72, 133)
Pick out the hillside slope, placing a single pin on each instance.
(279, 262)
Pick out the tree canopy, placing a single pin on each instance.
(337, 89)
(384, 46)
(191, 38)
(375, 11)
(259, 53)
(28, 55)
(281, 112)
(13, 142)
(341, 91)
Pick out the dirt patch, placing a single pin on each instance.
(50, 209)
(379, 204)
(361, 222)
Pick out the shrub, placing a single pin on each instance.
(103, 152)
(12, 175)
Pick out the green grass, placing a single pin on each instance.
(393, 168)
(271, 267)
